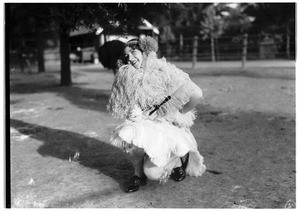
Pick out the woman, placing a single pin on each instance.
(157, 102)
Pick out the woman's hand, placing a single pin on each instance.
(146, 114)
(195, 98)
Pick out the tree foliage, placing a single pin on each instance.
(72, 16)
(112, 17)
(24, 22)
(213, 24)
(186, 17)
(30, 19)
(238, 21)
(26, 25)
(272, 17)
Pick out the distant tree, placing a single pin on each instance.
(182, 18)
(237, 20)
(192, 15)
(273, 18)
(70, 17)
(112, 17)
(120, 18)
(26, 24)
(239, 23)
(213, 26)
(166, 38)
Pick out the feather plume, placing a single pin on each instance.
(148, 87)
(148, 45)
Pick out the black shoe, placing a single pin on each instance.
(135, 182)
(179, 173)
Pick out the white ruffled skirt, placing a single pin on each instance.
(160, 140)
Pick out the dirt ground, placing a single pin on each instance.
(61, 158)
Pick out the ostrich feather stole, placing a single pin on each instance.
(149, 86)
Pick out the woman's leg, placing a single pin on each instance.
(161, 174)
(179, 173)
(136, 156)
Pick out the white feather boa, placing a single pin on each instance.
(149, 86)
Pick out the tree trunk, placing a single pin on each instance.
(22, 55)
(40, 52)
(195, 51)
(287, 41)
(65, 71)
(212, 47)
(244, 53)
(217, 50)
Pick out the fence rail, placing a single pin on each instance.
(255, 47)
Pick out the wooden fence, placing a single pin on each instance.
(244, 47)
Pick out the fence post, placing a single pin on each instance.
(212, 46)
(288, 42)
(195, 51)
(180, 47)
(244, 53)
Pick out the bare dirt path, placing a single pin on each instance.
(60, 156)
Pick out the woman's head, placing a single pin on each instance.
(133, 53)
(136, 49)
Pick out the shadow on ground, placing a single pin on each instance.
(250, 159)
(93, 99)
(94, 153)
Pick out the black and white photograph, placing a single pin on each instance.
(152, 105)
